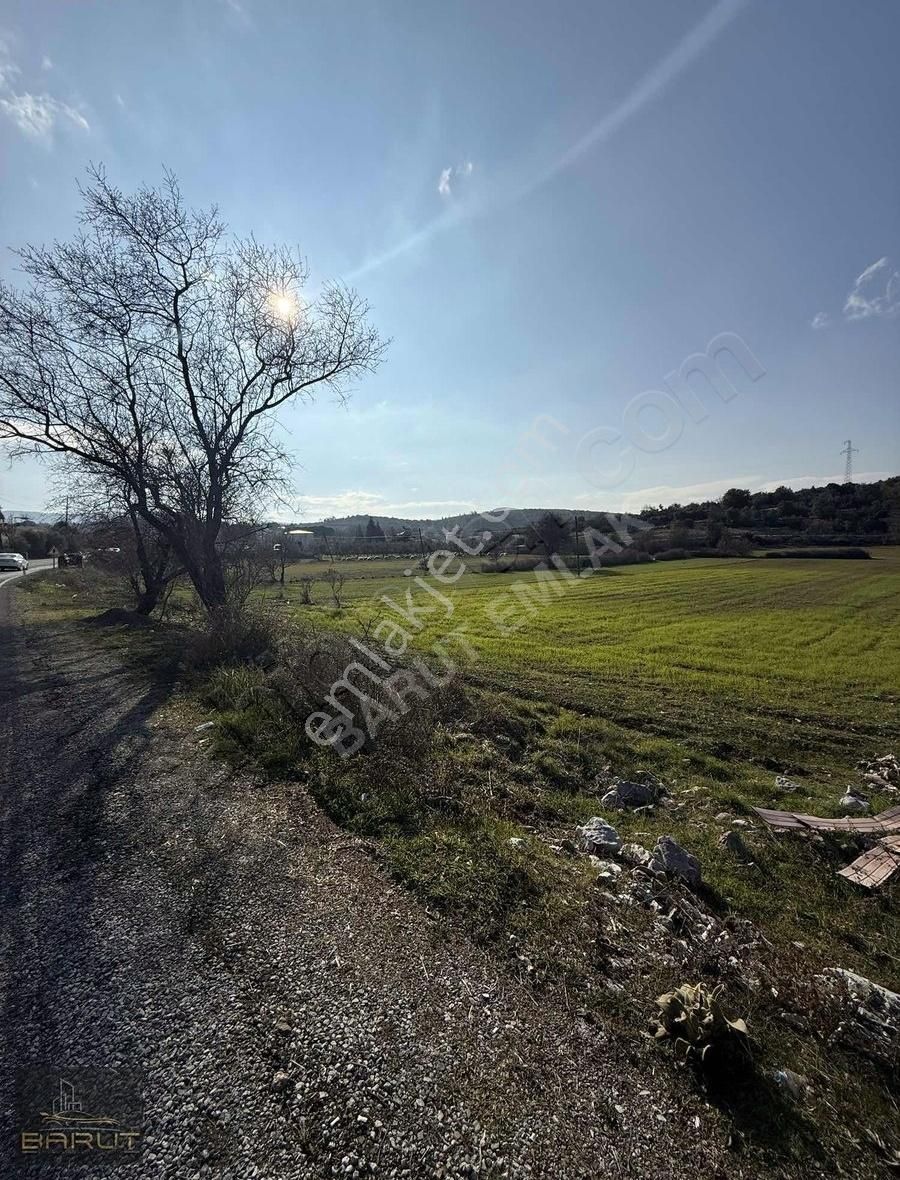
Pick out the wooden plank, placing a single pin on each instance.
(876, 865)
(791, 821)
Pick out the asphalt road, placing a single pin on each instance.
(34, 567)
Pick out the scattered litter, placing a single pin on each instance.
(205, 725)
(884, 823)
(853, 801)
(874, 866)
(785, 785)
(794, 1084)
(882, 772)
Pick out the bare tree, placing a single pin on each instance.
(132, 548)
(306, 585)
(155, 350)
(141, 555)
(335, 580)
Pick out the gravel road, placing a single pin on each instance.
(291, 1012)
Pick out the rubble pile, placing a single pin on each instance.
(882, 773)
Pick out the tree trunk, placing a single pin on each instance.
(148, 599)
(194, 544)
(150, 586)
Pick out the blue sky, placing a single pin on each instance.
(549, 206)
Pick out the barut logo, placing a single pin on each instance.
(86, 1113)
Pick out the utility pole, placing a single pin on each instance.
(848, 451)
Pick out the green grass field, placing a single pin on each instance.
(792, 662)
(716, 675)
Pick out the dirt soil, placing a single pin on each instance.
(288, 1010)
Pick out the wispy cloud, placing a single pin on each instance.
(648, 89)
(672, 494)
(35, 115)
(820, 320)
(876, 292)
(449, 177)
(9, 71)
(238, 13)
(362, 503)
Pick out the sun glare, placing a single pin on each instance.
(283, 305)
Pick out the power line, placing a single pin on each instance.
(848, 451)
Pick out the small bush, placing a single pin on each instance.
(234, 636)
(694, 1019)
(521, 563)
(236, 688)
(672, 555)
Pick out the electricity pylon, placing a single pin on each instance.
(848, 452)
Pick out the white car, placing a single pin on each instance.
(13, 561)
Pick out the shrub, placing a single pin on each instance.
(694, 1019)
(242, 687)
(672, 555)
(234, 635)
(521, 563)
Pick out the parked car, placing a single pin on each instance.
(69, 559)
(13, 561)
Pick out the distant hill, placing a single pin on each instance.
(853, 509)
(468, 522)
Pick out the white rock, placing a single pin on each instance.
(636, 855)
(853, 803)
(598, 837)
